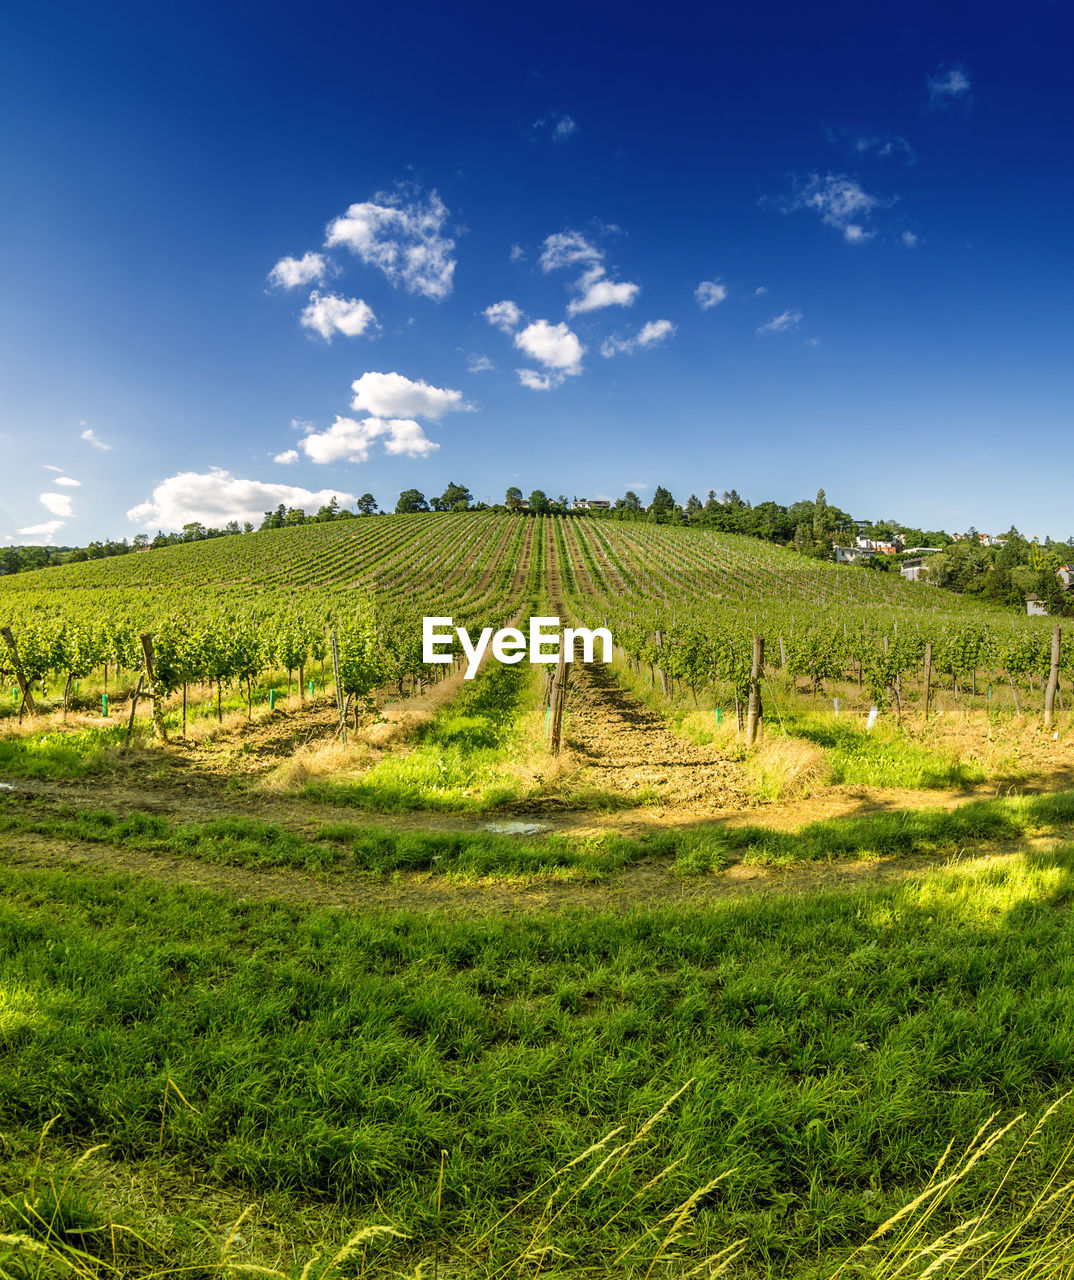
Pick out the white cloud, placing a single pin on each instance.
(537, 381)
(390, 395)
(649, 335)
(760, 291)
(403, 239)
(407, 437)
(517, 254)
(558, 125)
(909, 239)
(781, 323)
(654, 332)
(216, 496)
(90, 438)
(710, 293)
(553, 345)
(598, 292)
(946, 86)
(328, 314)
(290, 273)
(811, 342)
(49, 467)
(348, 440)
(479, 364)
(506, 315)
(45, 530)
(568, 249)
(840, 202)
(288, 458)
(66, 480)
(58, 503)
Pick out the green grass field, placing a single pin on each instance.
(835, 1044)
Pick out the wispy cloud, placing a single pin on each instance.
(910, 239)
(66, 480)
(948, 85)
(649, 335)
(47, 466)
(839, 201)
(709, 294)
(597, 292)
(556, 125)
(90, 437)
(292, 273)
(506, 315)
(569, 249)
(401, 235)
(881, 145)
(327, 314)
(288, 458)
(781, 323)
(45, 530)
(479, 364)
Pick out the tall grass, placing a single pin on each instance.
(459, 759)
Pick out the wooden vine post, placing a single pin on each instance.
(928, 676)
(134, 707)
(754, 710)
(24, 684)
(154, 703)
(1053, 677)
(339, 688)
(559, 695)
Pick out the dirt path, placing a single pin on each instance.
(627, 748)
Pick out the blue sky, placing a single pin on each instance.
(254, 254)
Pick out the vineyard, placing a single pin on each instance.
(682, 604)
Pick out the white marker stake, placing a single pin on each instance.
(873, 713)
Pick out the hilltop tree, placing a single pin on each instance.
(410, 500)
(662, 502)
(513, 498)
(367, 505)
(456, 497)
(539, 501)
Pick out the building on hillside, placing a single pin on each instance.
(850, 555)
(1035, 607)
(911, 570)
(1065, 574)
(873, 547)
(590, 504)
